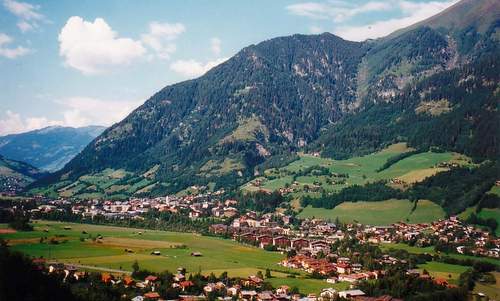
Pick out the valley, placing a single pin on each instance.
(302, 167)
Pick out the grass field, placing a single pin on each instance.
(495, 190)
(491, 290)
(450, 272)
(361, 170)
(219, 255)
(430, 250)
(485, 213)
(378, 213)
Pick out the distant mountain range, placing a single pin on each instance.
(15, 175)
(50, 148)
(432, 84)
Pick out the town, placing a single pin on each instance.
(332, 251)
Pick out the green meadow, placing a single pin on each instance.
(361, 170)
(485, 213)
(378, 213)
(76, 245)
(430, 250)
(450, 272)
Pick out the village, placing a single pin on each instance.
(284, 232)
(332, 251)
(197, 287)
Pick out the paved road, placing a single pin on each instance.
(90, 267)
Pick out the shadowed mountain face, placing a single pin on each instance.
(15, 175)
(281, 95)
(49, 148)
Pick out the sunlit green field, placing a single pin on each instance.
(219, 255)
(378, 213)
(361, 170)
(485, 213)
(430, 250)
(450, 272)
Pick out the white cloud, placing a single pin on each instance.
(81, 111)
(315, 29)
(192, 68)
(13, 123)
(76, 112)
(27, 13)
(161, 36)
(412, 13)
(11, 53)
(337, 11)
(93, 47)
(215, 46)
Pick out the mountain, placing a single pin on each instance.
(49, 148)
(15, 175)
(312, 92)
(433, 83)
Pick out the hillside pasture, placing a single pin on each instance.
(378, 213)
(300, 174)
(79, 244)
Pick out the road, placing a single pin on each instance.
(102, 269)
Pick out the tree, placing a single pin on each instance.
(268, 273)
(135, 267)
(259, 274)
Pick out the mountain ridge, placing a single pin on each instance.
(271, 100)
(49, 148)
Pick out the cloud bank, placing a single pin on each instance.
(92, 47)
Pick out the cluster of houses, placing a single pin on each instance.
(281, 230)
(315, 235)
(466, 239)
(195, 206)
(250, 288)
(337, 269)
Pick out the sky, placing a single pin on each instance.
(78, 63)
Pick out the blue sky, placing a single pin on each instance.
(78, 63)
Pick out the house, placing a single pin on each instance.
(320, 245)
(248, 295)
(265, 240)
(353, 278)
(351, 294)
(265, 296)
(300, 243)
(343, 268)
(248, 237)
(253, 281)
(128, 281)
(381, 298)
(209, 288)
(185, 284)
(281, 242)
(230, 212)
(218, 228)
(151, 296)
(233, 290)
(196, 254)
(441, 281)
(150, 280)
(328, 293)
(106, 277)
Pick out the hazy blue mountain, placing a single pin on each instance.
(49, 148)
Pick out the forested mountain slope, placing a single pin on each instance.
(433, 84)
